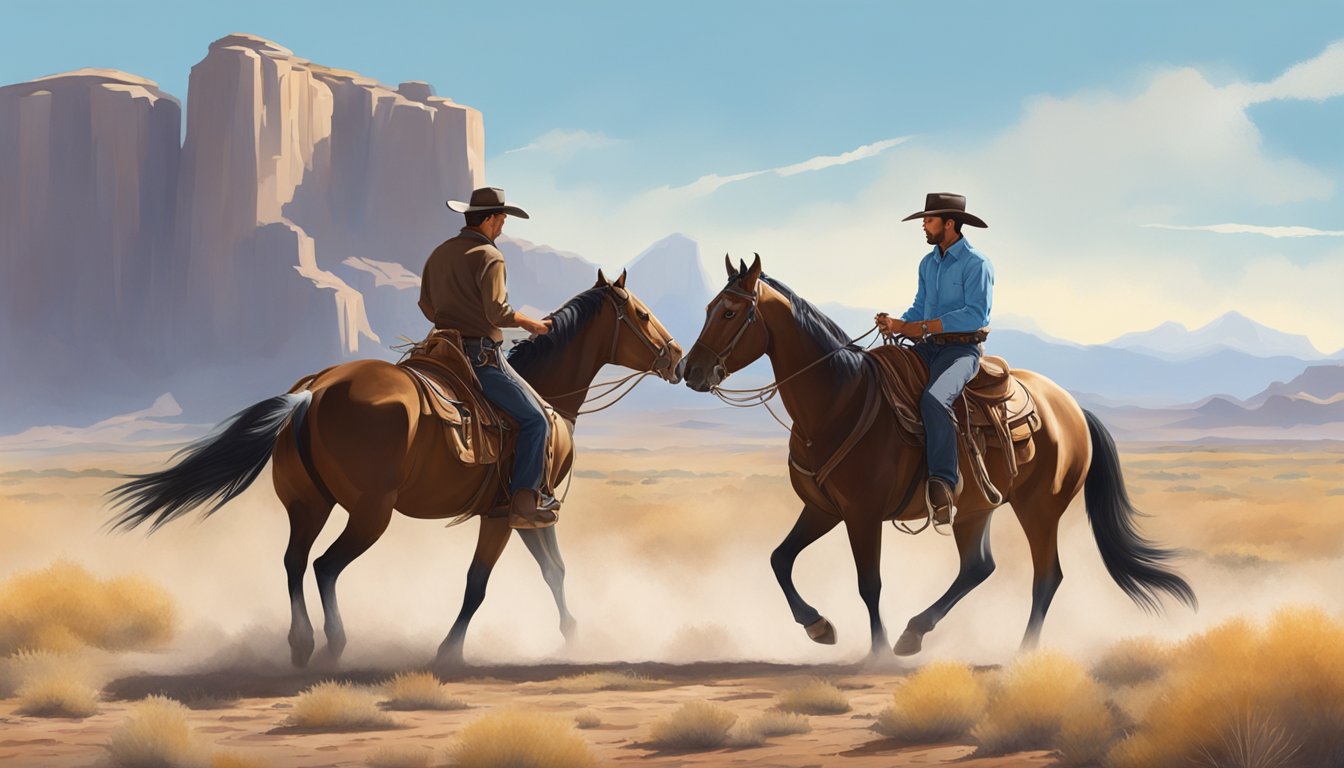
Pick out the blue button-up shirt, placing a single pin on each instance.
(956, 287)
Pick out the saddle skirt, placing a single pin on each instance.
(994, 402)
(451, 393)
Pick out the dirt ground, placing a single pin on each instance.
(667, 544)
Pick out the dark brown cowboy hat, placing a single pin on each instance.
(487, 200)
(949, 206)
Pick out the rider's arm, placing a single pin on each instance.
(978, 287)
(916, 310)
(497, 308)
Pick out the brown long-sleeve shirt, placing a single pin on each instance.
(463, 287)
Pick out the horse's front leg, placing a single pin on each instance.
(545, 549)
(490, 542)
(865, 542)
(812, 524)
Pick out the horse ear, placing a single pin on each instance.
(750, 274)
(727, 262)
(601, 279)
(741, 267)
(620, 281)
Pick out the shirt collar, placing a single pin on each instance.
(472, 234)
(955, 252)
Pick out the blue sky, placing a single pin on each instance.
(1087, 134)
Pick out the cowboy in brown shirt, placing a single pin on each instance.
(463, 288)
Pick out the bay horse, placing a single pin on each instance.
(823, 380)
(354, 436)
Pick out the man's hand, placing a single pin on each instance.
(532, 326)
(885, 324)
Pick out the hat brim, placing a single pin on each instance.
(511, 210)
(951, 213)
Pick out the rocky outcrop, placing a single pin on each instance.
(88, 172)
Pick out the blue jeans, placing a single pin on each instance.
(951, 368)
(503, 390)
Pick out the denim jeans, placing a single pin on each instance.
(951, 368)
(504, 390)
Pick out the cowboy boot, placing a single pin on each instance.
(525, 510)
(941, 502)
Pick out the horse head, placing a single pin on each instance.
(734, 335)
(639, 340)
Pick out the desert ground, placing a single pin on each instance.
(666, 535)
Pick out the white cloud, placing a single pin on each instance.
(1316, 79)
(1251, 229)
(566, 143)
(708, 184)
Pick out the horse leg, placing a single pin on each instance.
(545, 549)
(490, 542)
(368, 520)
(972, 536)
(865, 541)
(1041, 523)
(812, 524)
(306, 519)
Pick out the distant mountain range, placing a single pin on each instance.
(1235, 331)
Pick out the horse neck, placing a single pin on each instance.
(814, 393)
(566, 375)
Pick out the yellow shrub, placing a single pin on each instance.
(1132, 661)
(1238, 691)
(587, 719)
(235, 760)
(696, 725)
(591, 682)
(815, 697)
(55, 685)
(521, 739)
(1033, 699)
(939, 702)
(156, 734)
(65, 608)
(401, 756)
(419, 690)
(767, 725)
(338, 706)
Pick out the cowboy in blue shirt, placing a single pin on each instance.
(949, 318)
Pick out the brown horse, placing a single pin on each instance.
(354, 436)
(823, 380)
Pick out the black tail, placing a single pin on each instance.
(1135, 563)
(213, 470)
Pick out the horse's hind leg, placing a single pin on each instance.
(306, 519)
(812, 524)
(490, 543)
(545, 549)
(865, 542)
(977, 563)
(368, 520)
(1040, 520)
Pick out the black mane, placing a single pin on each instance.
(821, 329)
(565, 325)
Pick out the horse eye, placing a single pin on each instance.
(729, 314)
(642, 314)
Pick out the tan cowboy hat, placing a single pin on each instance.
(490, 200)
(949, 206)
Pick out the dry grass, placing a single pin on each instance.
(401, 756)
(419, 690)
(65, 608)
(235, 760)
(54, 684)
(587, 719)
(768, 725)
(1241, 695)
(1132, 661)
(695, 725)
(1035, 698)
(521, 739)
(814, 697)
(591, 682)
(338, 706)
(156, 735)
(939, 702)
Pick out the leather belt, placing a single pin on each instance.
(974, 337)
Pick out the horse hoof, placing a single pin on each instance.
(908, 644)
(300, 656)
(821, 631)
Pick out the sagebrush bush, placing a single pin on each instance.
(401, 756)
(521, 739)
(419, 690)
(814, 697)
(1239, 690)
(1034, 698)
(767, 725)
(338, 706)
(156, 735)
(695, 725)
(65, 608)
(939, 702)
(591, 682)
(587, 719)
(1132, 661)
(55, 685)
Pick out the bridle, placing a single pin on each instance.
(662, 353)
(721, 358)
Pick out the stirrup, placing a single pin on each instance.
(951, 510)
